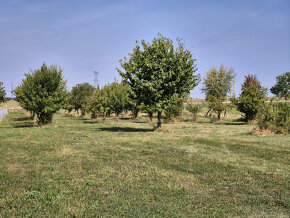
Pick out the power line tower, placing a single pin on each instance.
(12, 88)
(96, 81)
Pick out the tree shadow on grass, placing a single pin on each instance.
(125, 129)
(23, 125)
(237, 122)
(91, 121)
(22, 119)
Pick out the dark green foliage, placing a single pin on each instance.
(282, 86)
(217, 86)
(2, 92)
(194, 109)
(80, 95)
(251, 98)
(118, 96)
(158, 74)
(274, 117)
(112, 98)
(174, 110)
(42, 92)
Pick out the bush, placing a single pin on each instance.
(194, 109)
(251, 98)
(173, 110)
(274, 117)
(42, 93)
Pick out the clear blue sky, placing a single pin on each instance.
(252, 36)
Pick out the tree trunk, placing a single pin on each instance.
(219, 115)
(135, 113)
(159, 119)
(207, 112)
(150, 116)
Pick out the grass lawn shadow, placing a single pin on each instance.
(125, 129)
(23, 125)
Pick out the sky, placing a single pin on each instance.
(83, 36)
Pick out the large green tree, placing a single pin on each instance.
(80, 95)
(282, 86)
(217, 86)
(42, 92)
(251, 98)
(158, 73)
(2, 92)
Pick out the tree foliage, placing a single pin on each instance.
(80, 95)
(158, 74)
(217, 86)
(2, 92)
(42, 92)
(274, 117)
(111, 98)
(251, 98)
(282, 86)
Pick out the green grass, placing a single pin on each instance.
(77, 167)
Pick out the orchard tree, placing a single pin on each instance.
(282, 86)
(158, 73)
(80, 95)
(217, 86)
(251, 98)
(118, 96)
(42, 92)
(2, 92)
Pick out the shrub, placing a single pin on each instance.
(251, 98)
(194, 109)
(42, 92)
(173, 110)
(274, 117)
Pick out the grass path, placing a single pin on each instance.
(77, 167)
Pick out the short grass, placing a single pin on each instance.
(83, 168)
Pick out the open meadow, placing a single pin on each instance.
(79, 167)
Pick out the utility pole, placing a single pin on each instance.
(96, 81)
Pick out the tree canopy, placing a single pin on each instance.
(251, 98)
(158, 73)
(217, 86)
(282, 86)
(80, 95)
(42, 92)
(2, 92)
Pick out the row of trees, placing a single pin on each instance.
(156, 77)
(2, 92)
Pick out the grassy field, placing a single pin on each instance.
(10, 103)
(77, 167)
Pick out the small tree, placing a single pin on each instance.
(2, 92)
(158, 74)
(251, 98)
(118, 96)
(282, 86)
(194, 109)
(217, 86)
(42, 92)
(80, 95)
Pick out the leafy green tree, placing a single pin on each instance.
(251, 98)
(42, 92)
(80, 95)
(158, 74)
(282, 86)
(194, 109)
(217, 86)
(2, 92)
(118, 96)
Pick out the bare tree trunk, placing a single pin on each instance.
(159, 119)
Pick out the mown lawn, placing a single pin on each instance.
(77, 167)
